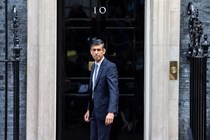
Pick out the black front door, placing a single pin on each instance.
(120, 24)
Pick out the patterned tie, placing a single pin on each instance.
(94, 78)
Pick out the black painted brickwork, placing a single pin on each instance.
(22, 15)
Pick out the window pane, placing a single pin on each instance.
(77, 52)
(77, 9)
(121, 50)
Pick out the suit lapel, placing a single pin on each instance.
(91, 76)
(100, 71)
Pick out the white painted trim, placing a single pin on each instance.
(32, 68)
(41, 69)
(147, 69)
(161, 46)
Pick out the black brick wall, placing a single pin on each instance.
(204, 16)
(22, 15)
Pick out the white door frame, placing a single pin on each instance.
(147, 68)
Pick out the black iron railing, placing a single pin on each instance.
(16, 55)
(197, 55)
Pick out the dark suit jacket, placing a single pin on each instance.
(106, 92)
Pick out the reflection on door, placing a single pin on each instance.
(120, 24)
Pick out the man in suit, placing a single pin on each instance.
(103, 87)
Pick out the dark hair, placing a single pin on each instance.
(96, 41)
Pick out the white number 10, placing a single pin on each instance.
(101, 10)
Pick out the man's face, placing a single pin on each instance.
(97, 52)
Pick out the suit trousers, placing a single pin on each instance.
(98, 129)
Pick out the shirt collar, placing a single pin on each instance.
(99, 63)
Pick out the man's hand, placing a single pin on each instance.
(109, 118)
(87, 116)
